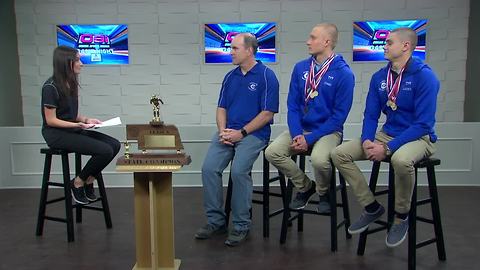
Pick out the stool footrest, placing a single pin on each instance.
(276, 212)
(424, 201)
(56, 184)
(376, 229)
(339, 225)
(313, 212)
(257, 201)
(426, 220)
(427, 162)
(381, 192)
(96, 208)
(425, 243)
(273, 194)
(273, 179)
(64, 220)
(55, 200)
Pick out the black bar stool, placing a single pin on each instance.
(333, 189)
(67, 198)
(265, 193)
(429, 164)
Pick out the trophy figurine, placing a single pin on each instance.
(155, 101)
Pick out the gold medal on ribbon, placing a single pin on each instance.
(313, 94)
(392, 105)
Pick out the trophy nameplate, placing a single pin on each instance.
(158, 141)
(153, 162)
(162, 137)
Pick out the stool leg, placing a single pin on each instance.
(333, 211)
(105, 207)
(300, 212)
(437, 222)
(266, 197)
(286, 208)
(373, 186)
(68, 197)
(391, 196)
(44, 194)
(78, 168)
(345, 207)
(228, 200)
(412, 227)
(283, 190)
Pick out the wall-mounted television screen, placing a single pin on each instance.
(100, 44)
(218, 38)
(369, 38)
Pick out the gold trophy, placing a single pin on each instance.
(155, 101)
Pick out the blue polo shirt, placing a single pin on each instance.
(245, 96)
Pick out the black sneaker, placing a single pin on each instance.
(90, 192)
(323, 204)
(78, 194)
(302, 198)
(209, 230)
(236, 237)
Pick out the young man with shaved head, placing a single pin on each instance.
(406, 92)
(248, 100)
(319, 100)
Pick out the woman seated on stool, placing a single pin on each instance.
(64, 128)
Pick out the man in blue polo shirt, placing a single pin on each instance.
(248, 100)
(406, 92)
(319, 100)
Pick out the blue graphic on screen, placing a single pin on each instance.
(369, 38)
(97, 44)
(219, 36)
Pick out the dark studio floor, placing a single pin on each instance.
(95, 247)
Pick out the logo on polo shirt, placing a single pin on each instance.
(305, 75)
(383, 85)
(252, 86)
(409, 87)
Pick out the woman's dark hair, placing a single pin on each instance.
(63, 75)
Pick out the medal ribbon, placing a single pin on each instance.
(313, 79)
(394, 87)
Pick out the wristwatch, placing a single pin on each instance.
(244, 132)
(388, 152)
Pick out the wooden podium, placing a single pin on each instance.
(152, 173)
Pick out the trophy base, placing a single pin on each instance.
(156, 123)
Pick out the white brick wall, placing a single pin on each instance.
(165, 41)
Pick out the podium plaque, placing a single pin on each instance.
(152, 173)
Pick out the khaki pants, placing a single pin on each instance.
(402, 160)
(278, 153)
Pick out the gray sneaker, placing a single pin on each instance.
(210, 230)
(398, 233)
(365, 219)
(302, 198)
(323, 204)
(236, 237)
